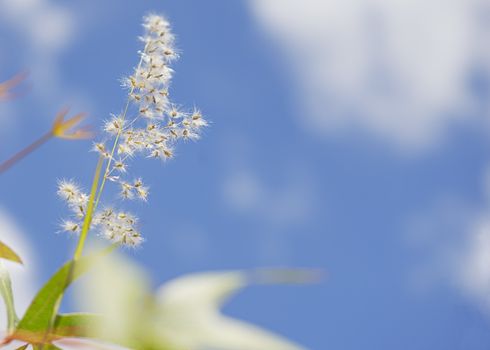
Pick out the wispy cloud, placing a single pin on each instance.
(23, 277)
(474, 270)
(399, 69)
(452, 241)
(278, 208)
(473, 267)
(246, 193)
(44, 30)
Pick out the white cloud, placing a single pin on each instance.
(278, 203)
(279, 207)
(189, 242)
(48, 27)
(397, 68)
(474, 270)
(439, 237)
(473, 267)
(43, 31)
(452, 242)
(23, 277)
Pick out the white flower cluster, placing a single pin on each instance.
(152, 129)
(157, 124)
(77, 202)
(117, 227)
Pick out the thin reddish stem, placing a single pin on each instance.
(21, 154)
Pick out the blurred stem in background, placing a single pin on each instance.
(64, 129)
(8, 88)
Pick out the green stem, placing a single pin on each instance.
(90, 210)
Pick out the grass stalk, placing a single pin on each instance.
(90, 210)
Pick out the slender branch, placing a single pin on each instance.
(24, 152)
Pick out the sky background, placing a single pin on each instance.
(347, 135)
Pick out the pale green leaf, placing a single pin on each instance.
(190, 315)
(8, 297)
(7, 253)
(123, 298)
(184, 314)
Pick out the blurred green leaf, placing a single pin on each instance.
(184, 314)
(125, 301)
(7, 253)
(75, 325)
(8, 298)
(35, 326)
(23, 347)
(190, 312)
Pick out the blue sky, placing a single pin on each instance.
(341, 139)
